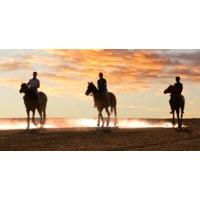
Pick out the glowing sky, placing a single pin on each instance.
(137, 77)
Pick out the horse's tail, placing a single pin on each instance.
(112, 102)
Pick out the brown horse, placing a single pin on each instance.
(177, 104)
(31, 104)
(100, 103)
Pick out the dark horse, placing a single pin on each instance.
(100, 103)
(177, 104)
(31, 104)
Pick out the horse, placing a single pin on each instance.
(31, 104)
(100, 103)
(177, 104)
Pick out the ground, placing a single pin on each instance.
(103, 138)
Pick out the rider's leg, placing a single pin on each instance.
(107, 98)
(38, 99)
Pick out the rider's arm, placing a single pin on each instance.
(38, 84)
(28, 83)
(181, 87)
(98, 84)
(105, 84)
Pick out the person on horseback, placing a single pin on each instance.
(102, 87)
(34, 84)
(177, 92)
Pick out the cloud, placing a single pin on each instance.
(126, 70)
(12, 65)
(10, 82)
(135, 67)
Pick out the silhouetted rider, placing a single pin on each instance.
(178, 87)
(102, 83)
(102, 87)
(34, 84)
(177, 91)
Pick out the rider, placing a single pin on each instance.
(178, 88)
(34, 84)
(102, 87)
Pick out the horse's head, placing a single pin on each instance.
(24, 88)
(91, 88)
(169, 89)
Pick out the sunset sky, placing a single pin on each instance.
(136, 77)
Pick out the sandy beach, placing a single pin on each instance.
(111, 139)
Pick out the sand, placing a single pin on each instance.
(110, 139)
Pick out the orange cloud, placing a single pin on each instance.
(125, 70)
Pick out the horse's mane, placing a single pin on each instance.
(94, 85)
(29, 91)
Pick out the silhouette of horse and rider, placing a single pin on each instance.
(103, 99)
(34, 100)
(177, 101)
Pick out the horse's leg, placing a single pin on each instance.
(33, 118)
(108, 113)
(44, 116)
(40, 113)
(115, 113)
(28, 118)
(178, 118)
(102, 119)
(181, 120)
(99, 115)
(173, 119)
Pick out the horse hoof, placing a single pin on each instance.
(98, 125)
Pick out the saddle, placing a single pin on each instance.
(32, 94)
